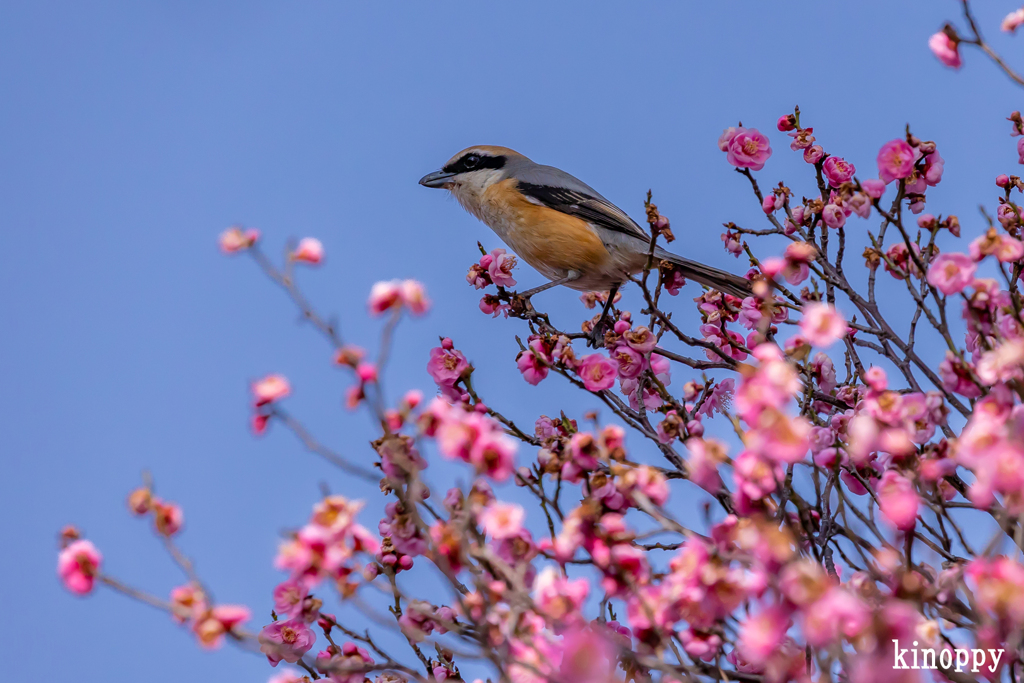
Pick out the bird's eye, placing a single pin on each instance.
(471, 161)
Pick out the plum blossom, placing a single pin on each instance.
(286, 640)
(874, 188)
(747, 148)
(502, 520)
(895, 160)
(499, 267)
(597, 372)
(78, 564)
(786, 123)
(761, 634)
(1005, 248)
(834, 216)
(446, 366)
(560, 598)
(1003, 363)
(898, 500)
(270, 389)
(394, 294)
(533, 362)
(951, 273)
(234, 240)
(822, 324)
(1012, 21)
(838, 171)
(309, 250)
(945, 48)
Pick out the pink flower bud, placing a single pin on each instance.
(621, 327)
(1002, 180)
(310, 250)
(367, 372)
(813, 154)
(786, 123)
(271, 388)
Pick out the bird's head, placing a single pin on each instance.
(473, 169)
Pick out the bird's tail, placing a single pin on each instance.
(706, 275)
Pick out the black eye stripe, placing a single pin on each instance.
(465, 163)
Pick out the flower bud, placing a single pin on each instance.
(139, 501)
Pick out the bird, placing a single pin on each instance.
(559, 225)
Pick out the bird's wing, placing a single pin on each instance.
(558, 190)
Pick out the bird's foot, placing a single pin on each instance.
(520, 305)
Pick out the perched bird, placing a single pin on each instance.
(559, 224)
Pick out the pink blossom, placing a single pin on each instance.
(446, 366)
(289, 597)
(167, 517)
(234, 240)
(702, 465)
(309, 250)
(822, 324)
(876, 378)
(1013, 20)
(838, 171)
(385, 296)
(1004, 363)
(761, 634)
(834, 216)
(802, 138)
(493, 454)
(597, 372)
(700, 644)
(630, 361)
(641, 339)
(945, 48)
(414, 296)
(726, 137)
(78, 564)
(951, 273)
(558, 597)
(271, 388)
(786, 123)
(210, 629)
(720, 398)
(956, 377)
(532, 367)
(493, 306)
(287, 677)
(992, 243)
(813, 154)
(839, 613)
(874, 188)
(895, 160)
(898, 500)
(732, 245)
(286, 640)
(748, 148)
(933, 166)
(502, 520)
(500, 266)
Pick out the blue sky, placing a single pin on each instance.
(131, 134)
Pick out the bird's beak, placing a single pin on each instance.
(437, 179)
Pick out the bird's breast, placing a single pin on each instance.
(551, 241)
